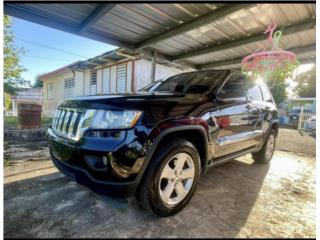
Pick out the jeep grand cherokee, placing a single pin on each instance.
(155, 144)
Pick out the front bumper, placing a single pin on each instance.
(81, 176)
(123, 168)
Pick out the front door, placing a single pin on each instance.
(236, 117)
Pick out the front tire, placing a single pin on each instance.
(265, 155)
(171, 178)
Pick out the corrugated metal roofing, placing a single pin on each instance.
(131, 24)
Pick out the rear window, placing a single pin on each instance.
(236, 87)
(254, 94)
(266, 94)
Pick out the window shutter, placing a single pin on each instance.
(69, 87)
(121, 77)
(93, 82)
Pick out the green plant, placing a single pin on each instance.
(6, 162)
(306, 86)
(7, 100)
(12, 69)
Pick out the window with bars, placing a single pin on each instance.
(93, 82)
(49, 90)
(69, 88)
(121, 77)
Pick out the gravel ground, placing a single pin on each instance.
(237, 199)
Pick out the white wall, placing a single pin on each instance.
(49, 105)
(142, 73)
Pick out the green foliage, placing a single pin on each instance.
(277, 86)
(6, 162)
(306, 86)
(12, 68)
(38, 83)
(279, 92)
(7, 101)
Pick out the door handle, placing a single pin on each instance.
(248, 106)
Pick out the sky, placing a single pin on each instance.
(47, 49)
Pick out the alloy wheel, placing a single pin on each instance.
(176, 178)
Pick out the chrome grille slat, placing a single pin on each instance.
(55, 118)
(65, 121)
(71, 123)
(58, 118)
(71, 126)
(76, 124)
(62, 120)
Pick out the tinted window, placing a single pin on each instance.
(192, 82)
(266, 94)
(236, 87)
(254, 94)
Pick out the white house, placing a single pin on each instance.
(118, 71)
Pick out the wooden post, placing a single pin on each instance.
(153, 66)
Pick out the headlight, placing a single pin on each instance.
(115, 119)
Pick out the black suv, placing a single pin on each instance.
(155, 144)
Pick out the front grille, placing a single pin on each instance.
(71, 123)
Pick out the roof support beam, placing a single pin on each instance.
(193, 24)
(148, 54)
(229, 62)
(96, 14)
(18, 11)
(247, 40)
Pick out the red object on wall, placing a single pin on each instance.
(224, 122)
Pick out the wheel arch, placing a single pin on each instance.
(195, 134)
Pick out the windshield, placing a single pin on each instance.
(150, 86)
(191, 82)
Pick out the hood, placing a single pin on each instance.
(155, 105)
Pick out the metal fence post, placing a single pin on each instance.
(300, 118)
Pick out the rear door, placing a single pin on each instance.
(256, 107)
(268, 108)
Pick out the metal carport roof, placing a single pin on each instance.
(197, 35)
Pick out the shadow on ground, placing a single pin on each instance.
(54, 206)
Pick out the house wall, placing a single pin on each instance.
(139, 69)
(143, 72)
(50, 104)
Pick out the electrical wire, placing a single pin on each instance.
(52, 48)
(45, 58)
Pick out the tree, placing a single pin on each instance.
(306, 83)
(279, 92)
(7, 102)
(38, 83)
(277, 86)
(11, 60)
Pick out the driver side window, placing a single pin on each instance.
(236, 87)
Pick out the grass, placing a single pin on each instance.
(12, 122)
(6, 162)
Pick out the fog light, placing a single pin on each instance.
(97, 163)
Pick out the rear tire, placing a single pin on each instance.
(265, 155)
(170, 179)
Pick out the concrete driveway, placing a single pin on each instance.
(237, 199)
